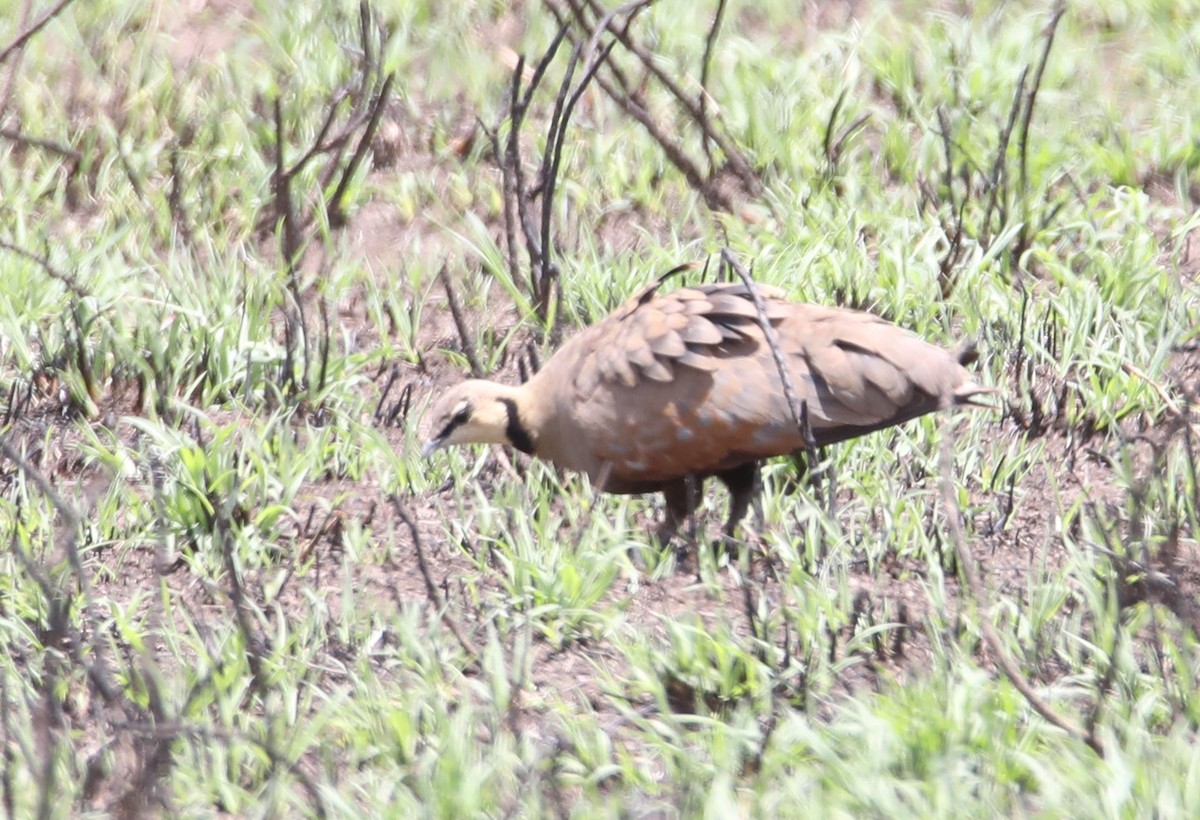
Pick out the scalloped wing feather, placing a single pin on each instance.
(685, 383)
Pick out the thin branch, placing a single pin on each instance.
(100, 672)
(975, 587)
(178, 729)
(798, 408)
(283, 197)
(789, 390)
(10, 82)
(546, 271)
(518, 107)
(64, 151)
(71, 283)
(507, 193)
(431, 590)
(558, 127)
(460, 322)
(320, 143)
(1060, 9)
(175, 204)
(947, 152)
(733, 155)
(37, 26)
(539, 243)
(620, 90)
(255, 643)
(1000, 164)
(702, 97)
(335, 204)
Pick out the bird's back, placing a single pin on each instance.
(685, 383)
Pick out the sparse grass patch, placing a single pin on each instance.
(230, 584)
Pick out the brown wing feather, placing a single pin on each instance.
(873, 370)
(685, 382)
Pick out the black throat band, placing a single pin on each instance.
(515, 431)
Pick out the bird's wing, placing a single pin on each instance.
(686, 383)
(863, 370)
(650, 337)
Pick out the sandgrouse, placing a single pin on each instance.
(675, 388)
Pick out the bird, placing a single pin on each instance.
(672, 389)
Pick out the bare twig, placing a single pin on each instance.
(528, 363)
(18, 402)
(947, 153)
(10, 78)
(1172, 406)
(518, 108)
(1022, 243)
(815, 472)
(178, 729)
(593, 58)
(975, 587)
(175, 204)
(335, 203)
(622, 91)
(358, 105)
(954, 234)
(284, 209)
(507, 194)
(397, 415)
(733, 155)
(72, 284)
(99, 672)
(798, 408)
(1000, 164)
(435, 598)
(537, 231)
(295, 326)
(702, 97)
(323, 143)
(255, 643)
(545, 271)
(460, 322)
(98, 668)
(326, 346)
(22, 38)
(64, 151)
(298, 557)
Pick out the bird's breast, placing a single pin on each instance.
(690, 426)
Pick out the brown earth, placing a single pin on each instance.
(1025, 543)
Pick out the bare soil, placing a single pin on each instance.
(1026, 542)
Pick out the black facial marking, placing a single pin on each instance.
(515, 431)
(457, 420)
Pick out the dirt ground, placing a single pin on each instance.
(1008, 547)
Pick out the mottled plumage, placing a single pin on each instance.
(684, 384)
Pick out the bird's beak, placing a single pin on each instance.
(432, 445)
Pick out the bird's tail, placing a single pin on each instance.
(969, 393)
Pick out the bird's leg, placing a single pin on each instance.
(680, 497)
(744, 486)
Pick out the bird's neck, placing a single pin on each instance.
(537, 410)
(524, 415)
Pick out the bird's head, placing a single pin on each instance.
(475, 412)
